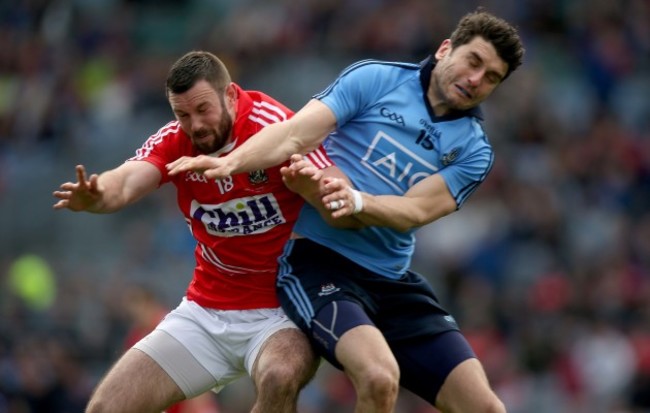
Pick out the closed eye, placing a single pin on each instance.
(493, 78)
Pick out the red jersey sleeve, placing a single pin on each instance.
(163, 147)
(319, 158)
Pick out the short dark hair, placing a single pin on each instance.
(195, 66)
(501, 34)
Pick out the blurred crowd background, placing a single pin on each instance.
(547, 268)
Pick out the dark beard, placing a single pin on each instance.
(220, 136)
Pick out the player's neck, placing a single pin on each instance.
(439, 106)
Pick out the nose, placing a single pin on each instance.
(195, 123)
(475, 78)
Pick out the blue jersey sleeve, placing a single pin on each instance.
(357, 87)
(464, 175)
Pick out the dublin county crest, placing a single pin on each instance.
(258, 177)
(450, 157)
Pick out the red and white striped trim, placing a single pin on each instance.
(319, 158)
(144, 151)
(265, 113)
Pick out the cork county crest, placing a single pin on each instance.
(258, 177)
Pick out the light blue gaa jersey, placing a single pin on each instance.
(387, 140)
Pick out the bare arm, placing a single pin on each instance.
(110, 191)
(425, 202)
(271, 146)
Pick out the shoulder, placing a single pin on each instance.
(170, 139)
(476, 143)
(257, 100)
(474, 135)
(171, 129)
(380, 73)
(371, 78)
(477, 130)
(380, 66)
(168, 134)
(463, 137)
(262, 108)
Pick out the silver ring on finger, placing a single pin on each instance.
(334, 205)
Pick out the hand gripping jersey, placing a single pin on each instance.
(387, 140)
(241, 223)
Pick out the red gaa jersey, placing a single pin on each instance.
(242, 222)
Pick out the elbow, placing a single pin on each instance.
(405, 224)
(422, 218)
(415, 220)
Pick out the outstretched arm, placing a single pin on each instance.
(425, 202)
(110, 191)
(330, 192)
(271, 146)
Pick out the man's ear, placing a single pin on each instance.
(231, 95)
(443, 49)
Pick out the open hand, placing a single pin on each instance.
(80, 195)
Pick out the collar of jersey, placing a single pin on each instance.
(227, 148)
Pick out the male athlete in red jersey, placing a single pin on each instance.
(230, 322)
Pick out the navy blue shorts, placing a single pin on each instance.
(424, 337)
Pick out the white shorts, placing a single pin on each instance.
(203, 349)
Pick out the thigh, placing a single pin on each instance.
(273, 338)
(467, 390)
(362, 351)
(287, 353)
(136, 383)
(202, 348)
(178, 362)
(346, 337)
(192, 344)
(329, 333)
(428, 362)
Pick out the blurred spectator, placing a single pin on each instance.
(605, 362)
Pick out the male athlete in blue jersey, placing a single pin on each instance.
(409, 143)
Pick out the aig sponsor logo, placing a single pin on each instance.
(242, 216)
(395, 164)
